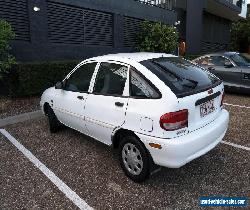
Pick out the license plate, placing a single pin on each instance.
(207, 108)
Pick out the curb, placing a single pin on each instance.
(21, 118)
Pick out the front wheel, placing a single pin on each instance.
(134, 159)
(54, 123)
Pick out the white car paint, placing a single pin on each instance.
(98, 117)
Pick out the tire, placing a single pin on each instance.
(134, 159)
(54, 123)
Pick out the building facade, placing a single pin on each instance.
(205, 24)
(49, 30)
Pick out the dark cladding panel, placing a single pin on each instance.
(98, 28)
(131, 29)
(215, 34)
(16, 13)
(209, 47)
(65, 24)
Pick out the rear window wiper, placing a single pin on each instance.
(165, 69)
(194, 83)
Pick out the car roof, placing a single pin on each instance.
(136, 56)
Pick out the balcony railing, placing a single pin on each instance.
(165, 4)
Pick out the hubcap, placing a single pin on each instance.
(132, 159)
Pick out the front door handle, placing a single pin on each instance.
(119, 104)
(80, 97)
(246, 76)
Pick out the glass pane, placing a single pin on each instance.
(206, 61)
(218, 60)
(183, 77)
(141, 88)
(79, 81)
(240, 59)
(111, 79)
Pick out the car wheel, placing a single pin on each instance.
(134, 159)
(54, 123)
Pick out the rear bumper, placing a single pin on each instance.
(177, 152)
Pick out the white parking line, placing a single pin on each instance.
(236, 145)
(235, 105)
(47, 172)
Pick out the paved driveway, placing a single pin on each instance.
(91, 170)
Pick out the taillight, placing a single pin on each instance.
(222, 98)
(174, 120)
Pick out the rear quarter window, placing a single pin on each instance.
(181, 76)
(140, 87)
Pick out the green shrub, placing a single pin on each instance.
(6, 35)
(157, 37)
(240, 34)
(33, 79)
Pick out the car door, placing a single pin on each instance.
(106, 106)
(245, 78)
(226, 70)
(69, 102)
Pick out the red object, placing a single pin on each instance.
(182, 48)
(222, 98)
(174, 120)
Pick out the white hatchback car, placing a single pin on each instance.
(156, 108)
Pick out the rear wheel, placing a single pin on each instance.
(54, 123)
(134, 159)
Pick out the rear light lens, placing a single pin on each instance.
(174, 120)
(222, 98)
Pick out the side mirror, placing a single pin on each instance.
(59, 85)
(211, 68)
(228, 65)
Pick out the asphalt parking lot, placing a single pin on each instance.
(91, 170)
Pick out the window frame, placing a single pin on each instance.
(146, 80)
(91, 89)
(75, 69)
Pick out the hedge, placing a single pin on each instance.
(32, 79)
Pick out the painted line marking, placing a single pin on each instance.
(235, 105)
(48, 173)
(236, 145)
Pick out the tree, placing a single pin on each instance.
(240, 34)
(157, 37)
(6, 35)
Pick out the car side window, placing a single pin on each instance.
(141, 88)
(79, 81)
(200, 61)
(219, 60)
(110, 79)
(206, 61)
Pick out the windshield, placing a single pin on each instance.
(240, 59)
(181, 76)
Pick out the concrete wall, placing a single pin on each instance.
(205, 24)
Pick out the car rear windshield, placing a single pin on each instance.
(181, 76)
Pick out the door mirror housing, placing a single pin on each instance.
(59, 85)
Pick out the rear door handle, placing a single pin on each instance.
(80, 97)
(119, 104)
